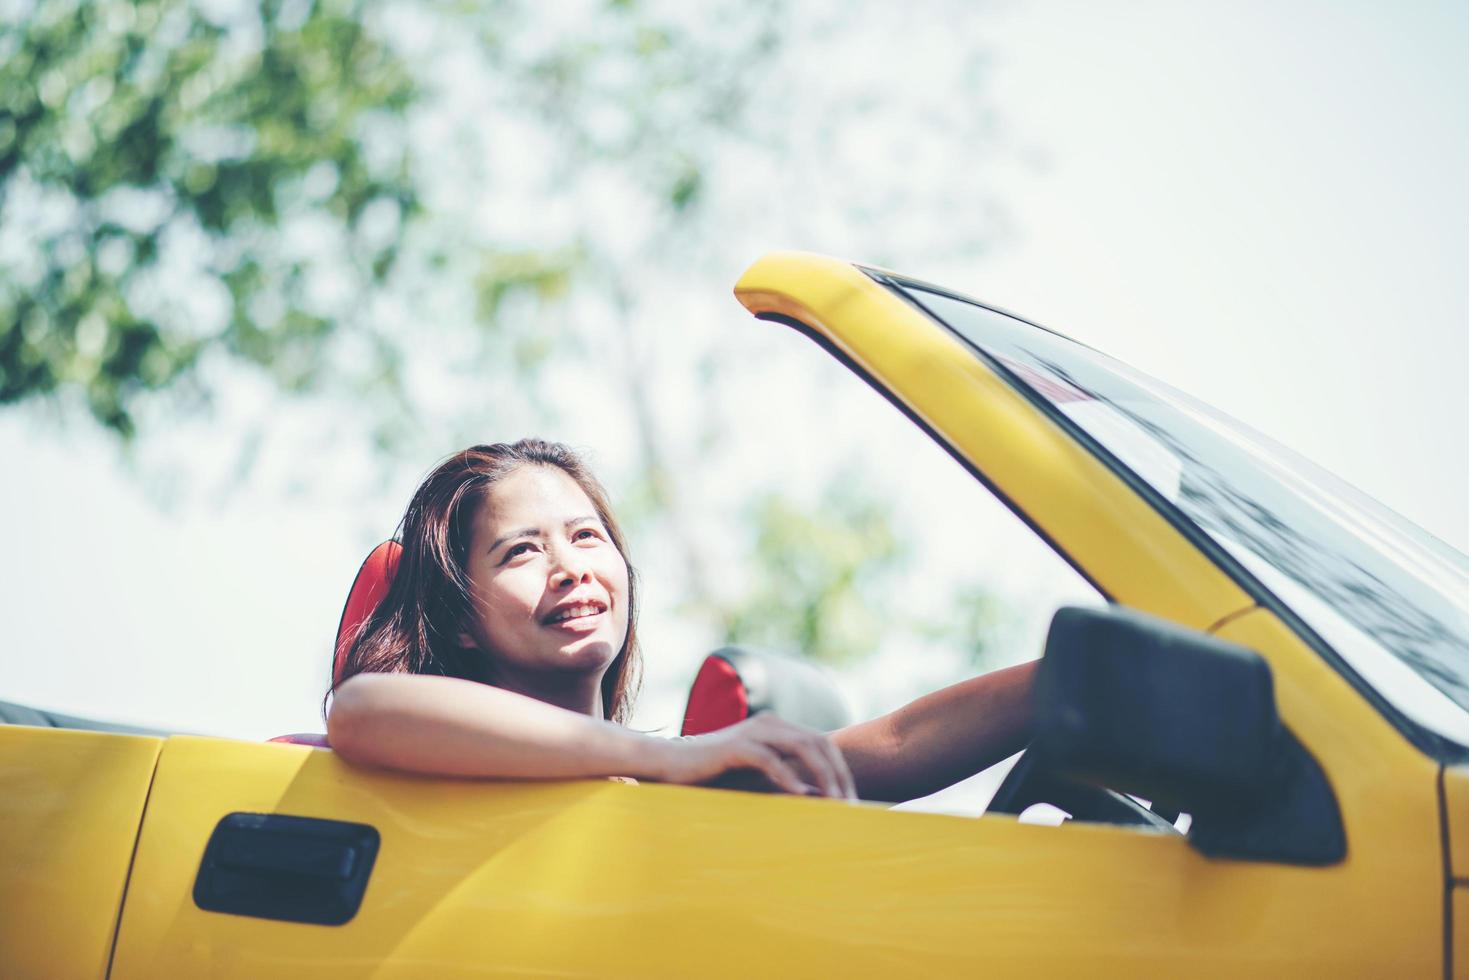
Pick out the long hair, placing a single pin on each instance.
(415, 627)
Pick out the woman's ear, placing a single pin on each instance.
(466, 641)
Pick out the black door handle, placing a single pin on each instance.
(295, 869)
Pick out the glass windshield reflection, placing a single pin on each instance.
(1388, 579)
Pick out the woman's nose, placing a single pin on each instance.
(569, 569)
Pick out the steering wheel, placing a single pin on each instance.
(1029, 782)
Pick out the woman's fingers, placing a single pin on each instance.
(811, 755)
(821, 758)
(776, 769)
(843, 771)
(792, 758)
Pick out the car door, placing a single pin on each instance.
(603, 879)
(597, 878)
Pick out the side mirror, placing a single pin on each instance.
(1144, 706)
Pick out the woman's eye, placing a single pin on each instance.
(517, 550)
(586, 534)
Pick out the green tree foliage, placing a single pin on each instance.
(821, 579)
(155, 148)
(418, 208)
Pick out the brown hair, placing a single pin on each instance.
(414, 628)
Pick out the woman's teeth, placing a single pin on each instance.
(574, 612)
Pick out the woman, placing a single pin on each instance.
(507, 647)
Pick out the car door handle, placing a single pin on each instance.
(294, 869)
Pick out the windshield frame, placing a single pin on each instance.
(1436, 745)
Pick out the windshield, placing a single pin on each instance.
(1385, 595)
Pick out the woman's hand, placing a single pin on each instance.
(795, 759)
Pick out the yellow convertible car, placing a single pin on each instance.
(1281, 659)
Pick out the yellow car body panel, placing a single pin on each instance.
(70, 806)
(1391, 885)
(596, 878)
(1456, 857)
(1456, 819)
(591, 879)
(1115, 537)
(1460, 923)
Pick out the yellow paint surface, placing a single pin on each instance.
(1456, 810)
(70, 807)
(1459, 919)
(1124, 545)
(602, 879)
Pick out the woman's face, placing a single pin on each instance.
(550, 588)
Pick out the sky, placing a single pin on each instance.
(1261, 204)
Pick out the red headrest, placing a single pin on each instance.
(368, 589)
(736, 682)
(718, 698)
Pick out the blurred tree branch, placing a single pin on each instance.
(423, 209)
(150, 128)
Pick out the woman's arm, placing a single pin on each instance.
(942, 737)
(449, 727)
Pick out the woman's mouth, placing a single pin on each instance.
(574, 615)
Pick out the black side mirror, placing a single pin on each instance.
(1144, 706)
(1149, 707)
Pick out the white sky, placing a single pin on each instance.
(1264, 205)
(1261, 204)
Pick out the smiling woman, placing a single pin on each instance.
(506, 646)
(548, 642)
(473, 597)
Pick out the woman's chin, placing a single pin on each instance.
(590, 653)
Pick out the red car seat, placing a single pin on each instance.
(732, 684)
(736, 682)
(368, 589)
